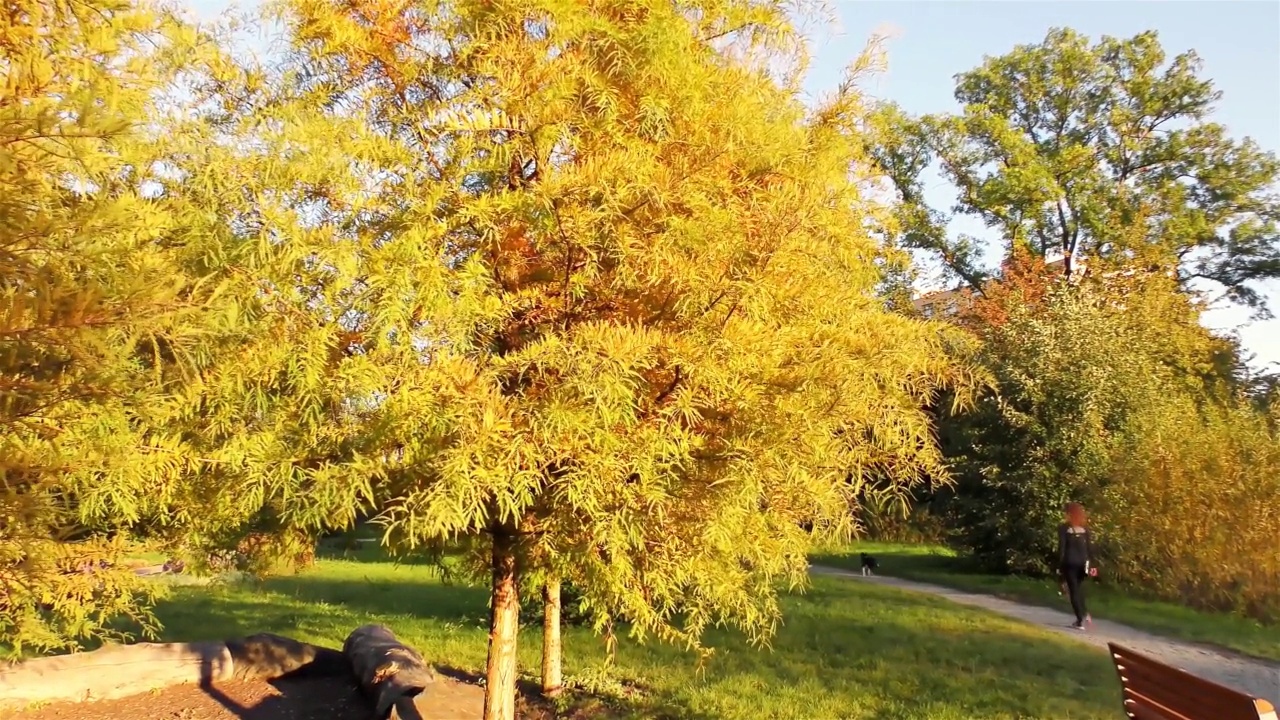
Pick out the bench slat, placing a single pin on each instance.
(1175, 683)
(1141, 707)
(1170, 690)
(1143, 712)
(1155, 691)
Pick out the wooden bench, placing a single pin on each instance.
(1155, 691)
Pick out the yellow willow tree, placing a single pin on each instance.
(582, 285)
(100, 276)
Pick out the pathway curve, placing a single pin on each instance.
(1255, 677)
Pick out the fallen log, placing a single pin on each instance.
(113, 672)
(388, 671)
(118, 671)
(264, 657)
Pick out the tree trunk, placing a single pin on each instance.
(504, 624)
(552, 677)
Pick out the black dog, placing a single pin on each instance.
(869, 564)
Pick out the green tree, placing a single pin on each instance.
(578, 285)
(1111, 392)
(1103, 151)
(1082, 374)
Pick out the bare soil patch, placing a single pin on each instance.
(285, 699)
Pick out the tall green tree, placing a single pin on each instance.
(1083, 372)
(579, 284)
(1109, 391)
(1105, 151)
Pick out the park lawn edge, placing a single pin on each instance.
(1226, 632)
(843, 649)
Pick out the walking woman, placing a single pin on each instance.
(1075, 559)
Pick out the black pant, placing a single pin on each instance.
(1075, 575)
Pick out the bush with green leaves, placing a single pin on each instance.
(1077, 374)
(1112, 394)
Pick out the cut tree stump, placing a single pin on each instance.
(390, 672)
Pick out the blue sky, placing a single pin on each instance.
(1238, 40)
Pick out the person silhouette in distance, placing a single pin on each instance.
(1075, 560)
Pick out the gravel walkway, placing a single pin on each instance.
(1255, 677)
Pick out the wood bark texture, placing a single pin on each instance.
(552, 675)
(388, 671)
(504, 624)
(114, 671)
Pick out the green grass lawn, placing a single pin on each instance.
(939, 566)
(142, 557)
(847, 650)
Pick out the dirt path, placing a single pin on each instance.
(301, 699)
(1255, 677)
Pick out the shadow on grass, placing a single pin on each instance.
(376, 596)
(319, 610)
(845, 650)
(370, 550)
(916, 560)
(438, 620)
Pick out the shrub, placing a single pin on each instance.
(1194, 510)
(1113, 395)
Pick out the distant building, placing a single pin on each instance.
(949, 303)
(944, 303)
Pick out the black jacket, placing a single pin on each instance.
(1075, 546)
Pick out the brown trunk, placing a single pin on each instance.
(504, 624)
(552, 678)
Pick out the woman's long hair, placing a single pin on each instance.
(1076, 514)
